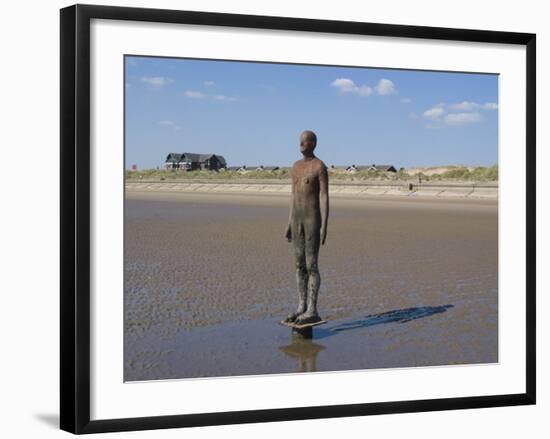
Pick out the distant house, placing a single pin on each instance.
(241, 169)
(173, 160)
(245, 168)
(255, 168)
(266, 168)
(383, 168)
(189, 161)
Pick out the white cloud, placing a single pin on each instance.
(193, 94)
(209, 83)
(346, 85)
(464, 106)
(385, 87)
(490, 106)
(170, 123)
(435, 113)
(405, 100)
(463, 113)
(224, 98)
(364, 90)
(473, 106)
(462, 118)
(157, 81)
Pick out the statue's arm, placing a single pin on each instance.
(288, 232)
(323, 183)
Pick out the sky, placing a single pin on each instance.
(253, 113)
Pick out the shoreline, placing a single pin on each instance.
(353, 203)
(355, 190)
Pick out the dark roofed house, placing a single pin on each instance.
(383, 168)
(244, 168)
(212, 162)
(240, 169)
(173, 160)
(190, 161)
(265, 168)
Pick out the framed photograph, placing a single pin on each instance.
(276, 218)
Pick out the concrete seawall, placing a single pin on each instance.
(354, 189)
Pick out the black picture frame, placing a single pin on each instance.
(75, 217)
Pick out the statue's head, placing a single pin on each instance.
(308, 142)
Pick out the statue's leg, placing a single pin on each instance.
(298, 238)
(314, 279)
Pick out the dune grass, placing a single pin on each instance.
(452, 173)
(462, 173)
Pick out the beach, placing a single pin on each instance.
(405, 282)
(348, 188)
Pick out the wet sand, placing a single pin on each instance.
(403, 283)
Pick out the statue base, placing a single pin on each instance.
(304, 330)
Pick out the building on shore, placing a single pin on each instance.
(267, 168)
(190, 161)
(380, 168)
(244, 169)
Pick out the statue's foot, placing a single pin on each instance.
(291, 318)
(306, 318)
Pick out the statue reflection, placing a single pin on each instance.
(303, 350)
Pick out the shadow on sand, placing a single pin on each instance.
(305, 351)
(396, 316)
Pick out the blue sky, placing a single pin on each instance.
(253, 113)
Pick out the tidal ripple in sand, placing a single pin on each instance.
(207, 280)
